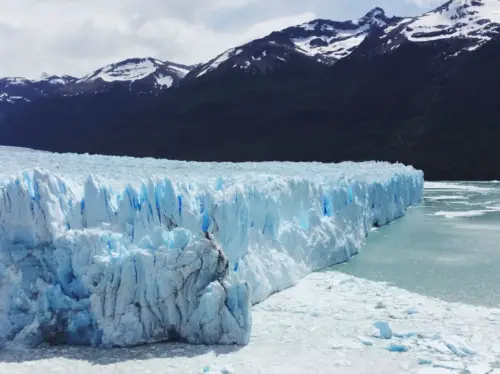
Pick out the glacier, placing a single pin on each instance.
(115, 251)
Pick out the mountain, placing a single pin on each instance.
(140, 75)
(419, 90)
(457, 26)
(146, 73)
(320, 40)
(16, 88)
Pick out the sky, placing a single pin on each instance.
(75, 37)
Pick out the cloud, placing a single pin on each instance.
(78, 36)
(425, 3)
(197, 42)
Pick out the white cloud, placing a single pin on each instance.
(425, 3)
(192, 43)
(76, 36)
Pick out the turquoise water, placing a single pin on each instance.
(449, 247)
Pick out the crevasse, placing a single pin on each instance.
(117, 259)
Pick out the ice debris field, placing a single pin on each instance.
(109, 251)
(327, 324)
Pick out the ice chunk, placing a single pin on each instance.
(380, 305)
(482, 368)
(451, 365)
(433, 370)
(393, 347)
(424, 361)
(405, 335)
(365, 341)
(216, 370)
(384, 329)
(459, 348)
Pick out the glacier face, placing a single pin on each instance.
(115, 251)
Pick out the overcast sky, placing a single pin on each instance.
(77, 36)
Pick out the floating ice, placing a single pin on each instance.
(147, 250)
(216, 370)
(405, 335)
(384, 329)
(459, 348)
(365, 341)
(424, 361)
(470, 213)
(399, 348)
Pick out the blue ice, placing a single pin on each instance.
(87, 261)
(384, 329)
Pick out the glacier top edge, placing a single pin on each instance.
(122, 171)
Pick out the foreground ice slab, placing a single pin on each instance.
(323, 325)
(118, 251)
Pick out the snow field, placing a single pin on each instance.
(114, 251)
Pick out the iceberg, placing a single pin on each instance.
(115, 251)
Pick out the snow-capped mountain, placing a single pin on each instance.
(142, 75)
(161, 73)
(463, 25)
(322, 40)
(329, 41)
(22, 89)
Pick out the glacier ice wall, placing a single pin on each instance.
(146, 250)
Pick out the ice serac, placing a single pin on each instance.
(144, 251)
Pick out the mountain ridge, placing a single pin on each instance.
(323, 40)
(147, 75)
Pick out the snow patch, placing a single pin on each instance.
(130, 71)
(219, 60)
(165, 81)
(469, 19)
(390, 28)
(16, 81)
(11, 99)
(309, 26)
(336, 47)
(180, 70)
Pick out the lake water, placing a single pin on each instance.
(449, 247)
